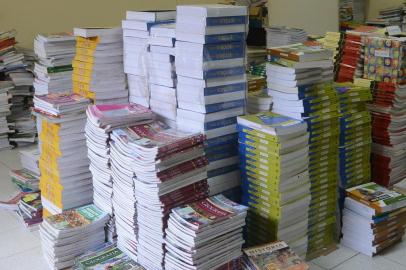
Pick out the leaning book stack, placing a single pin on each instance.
(276, 186)
(374, 218)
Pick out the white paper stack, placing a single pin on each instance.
(5, 88)
(136, 32)
(155, 168)
(281, 35)
(98, 71)
(29, 159)
(210, 58)
(259, 101)
(53, 70)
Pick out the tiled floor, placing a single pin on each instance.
(20, 249)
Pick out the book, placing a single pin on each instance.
(151, 16)
(300, 52)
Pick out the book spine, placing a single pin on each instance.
(224, 106)
(181, 145)
(59, 69)
(220, 38)
(223, 51)
(224, 72)
(224, 89)
(226, 139)
(221, 171)
(182, 168)
(230, 20)
(220, 123)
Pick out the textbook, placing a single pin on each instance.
(281, 35)
(300, 52)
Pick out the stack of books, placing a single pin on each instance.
(136, 32)
(275, 255)
(161, 72)
(256, 83)
(65, 180)
(393, 16)
(10, 59)
(25, 180)
(276, 186)
(296, 92)
(211, 89)
(277, 36)
(374, 218)
(206, 234)
(70, 234)
(98, 71)
(400, 187)
(259, 101)
(333, 41)
(5, 96)
(30, 210)
(355, 136)
(29, 158)
(155, 168)
(352, 11)
(53, 69)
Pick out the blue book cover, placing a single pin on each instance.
(224, 89)
(220, 38)
(224, 51)
(221, 152)
(216, 107)
(226, 20)
(220, 123)
(223, 72)
(223, 170)
(226, 139)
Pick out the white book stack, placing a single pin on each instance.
(29, 159)
(258, 101)
(155, 168)
(136, 32)
(211, 83)
(281, 35)
(5, 88)
(161, 72)
(98, 71)
(53, 70)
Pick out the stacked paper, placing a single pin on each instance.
(30, 210)
(69, 234)
(5, 89)
(98, 65)
(53, 70)
(29, 159)
(206, 234)
(276, 186)
(137, 52)
(374, 218)
(393, 15)
(27, 178)
(210, 59)
(155, 168)
(352, 11)
(258, 101)
(277, 36)
(65, 180)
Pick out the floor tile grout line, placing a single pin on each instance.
(389, 259)
(19, 252)
(346, 260)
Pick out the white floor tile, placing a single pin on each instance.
(396, 253)
(362, 262)
(11, 158)
(8, 221)
(315, 266)
(15, 241)
(7, 188)
(335, 258)
(31, 259)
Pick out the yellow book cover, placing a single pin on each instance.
(83, 65)
(83, 72)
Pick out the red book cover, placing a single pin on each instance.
(182, 168)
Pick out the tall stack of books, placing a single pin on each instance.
(334, 41)
(98, 71)
(136, 32)
(293, 82)
(388, 117)
(277, 36)
(161, 72)
(5, 89)
(65, 180)
(155, 168)
(53, 70)
(210, 67)
(71, 233)
(206, 234)
(374, 218)
(276, 186)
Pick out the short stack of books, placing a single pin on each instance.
(53, 69)
(10, 58)
(259, 101)
(277, 36)
(25, 180)
(30, 210)
(393, 16)
(163, 168)
(276, 186)
(211, 89)
(71, 233)
(136, 32)
(293, 82)
(255, 83)
(374, 218)
(98, 71)
(400, 187)
(206, 234)
(275, 255)
(161, 72)
(65, 180)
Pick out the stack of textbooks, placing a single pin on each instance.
(374, 218)
(136, 32)
(71, 233)
(275, 255)
(108, 256)
(256, 83)
(53, 69)
(206, 234)
(101, 120)
(355, 136)
(155, 168)
(352, 11)
(211, 89)
(333, 41)
(392, 16)
(98, 71)
(259, 101)
(5, 95)
(65, 180)
(29, 158)
(296, 92)
(161, 72)
(277, 36)
(276, 186)
(30, 210)
(25, 180)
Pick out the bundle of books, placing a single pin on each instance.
(108, 256)
(355, 136)
(206, 234)
(155, 168)
(29, 158)
(53, 69)
(276, 185)
(25, 180)
(374, 218)
(259, 101)
(352, 11)
(65, 180)
(256, 83)
(5, 89)
(392, 16)
(10, 59)
(400, 187)
(30, 210)
(71, 233)
(210, 67)
(277, 36)
(333, 41)
(293, 82)
(136, 32)
(275, 255)
(98, 71)
(161, 72)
